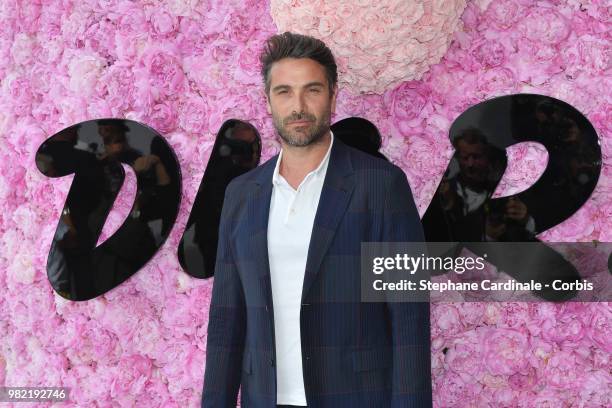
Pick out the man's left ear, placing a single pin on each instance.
(268, 107)
(333, 97)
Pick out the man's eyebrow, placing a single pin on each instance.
(308, 85)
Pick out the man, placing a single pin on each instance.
(286, 321)
(462, 210)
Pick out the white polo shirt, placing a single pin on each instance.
(292, 214)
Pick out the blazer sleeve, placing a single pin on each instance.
(227, 319)
(410, 321)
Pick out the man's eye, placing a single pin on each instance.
(281, 92)
(316, 90)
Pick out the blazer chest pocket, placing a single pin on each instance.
(246, 363)
(371, 359)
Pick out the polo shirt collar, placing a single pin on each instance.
(321, 168)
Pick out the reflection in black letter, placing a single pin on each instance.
(462, 208)
(237, 150)
(359, 133)
(94, 152)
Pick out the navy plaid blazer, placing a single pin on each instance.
(354, 354)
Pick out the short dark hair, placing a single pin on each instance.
(291, 45)
(470, 135)
(118, 124)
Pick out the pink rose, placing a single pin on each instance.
(373, 33)
(29, 13)
(48, 21)
(504, 351)
(406, 104)
(177, 314)
(463, 355)
(565, 370)
(163, 117)
(326, 27)
(595, 389)
(599, 325)
(194, 115)
(182, 7)
(156, 395)
(580, 92)
(96, 344)
(186, 372)
(425, 156)
(495, 81)
(208, 76)
(124, 311)
(547, 56)
(74, 25)
(503, 13)
(526, 163)
(100, 38)
(445, 320)
(163, 71)
(248, 66)
(472, 313)
(132, 376)
(147, 337)
(586, 56)
(99, 108)
(490, 53)
(23, 49)
(163, 23)
(117, 87)
(18, 90)
(131, 17)
(343, 36)
(503, 397)
(452, 389)
(523, 382)
(544, 24)
(600, 358)
(51, 50)
(543, 316)
(240, 27)
(548, 398)
(223, 51)
(514, 314)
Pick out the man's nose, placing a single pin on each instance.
(299, 102)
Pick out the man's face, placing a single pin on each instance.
(473, 162)
(114, 140)
(300, 100)
(107, 130)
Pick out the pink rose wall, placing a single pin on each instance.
(185, 66)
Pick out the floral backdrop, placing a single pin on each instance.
(185, 66)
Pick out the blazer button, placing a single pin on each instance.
(272, 362)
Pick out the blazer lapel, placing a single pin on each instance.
(335, 196)
(259, 211)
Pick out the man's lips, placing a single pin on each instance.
(300, 122)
